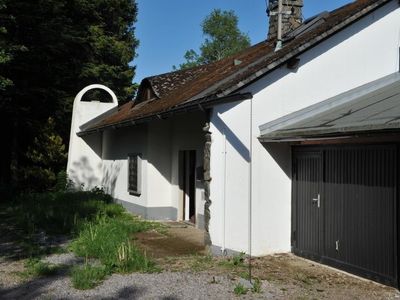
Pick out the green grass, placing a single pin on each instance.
(202, 262)
(100, 229)
(59, 212)
(256, 286)
(234, 262)
(240, 289)
(36, 268)
(87, 277)
(109, 240)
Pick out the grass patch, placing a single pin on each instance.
(109, 240)
(234, 262)
(256, 286)
(202, 262)
(37, 268)
(304, 278)
(87, 277)
(59, 212)
(99, 228)
(240, 289)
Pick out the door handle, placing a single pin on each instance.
(318, 200)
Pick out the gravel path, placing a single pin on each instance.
(177, 285)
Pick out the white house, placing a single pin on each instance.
(276, 149)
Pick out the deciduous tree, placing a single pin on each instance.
(222, 39)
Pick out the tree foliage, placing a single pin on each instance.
(48, 156)
(222, 39)
(49, 50)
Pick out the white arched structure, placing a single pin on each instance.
(85, 154)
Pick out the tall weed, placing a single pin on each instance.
(109, 240)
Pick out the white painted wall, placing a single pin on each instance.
(159, 164)
(187, 134)
(365, 51)
(84, 166)
(117, 144)
(159, 142)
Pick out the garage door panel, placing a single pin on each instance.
(358, 219)
(333, 193)
(308, 185)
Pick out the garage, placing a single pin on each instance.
(345, 162)
(344, 208)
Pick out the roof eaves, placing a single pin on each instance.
(297, 51)
(199, 104)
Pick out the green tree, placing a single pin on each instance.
(63, 45)
(222, 39)
(48, 156)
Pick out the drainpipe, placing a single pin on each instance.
(279, 37)
(223, 250)
(250, 186)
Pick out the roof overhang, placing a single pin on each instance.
(371, 108)
(189, 106)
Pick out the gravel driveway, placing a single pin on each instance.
(167, 285)
(190, 275)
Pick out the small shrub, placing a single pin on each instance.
(238, 260)
(87, 277)
(61, 181)
(240, 289)
(245, 275)
(256, 286)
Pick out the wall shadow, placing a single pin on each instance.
(282, 155)
(110, 176)
(83, 174)
(232, 138)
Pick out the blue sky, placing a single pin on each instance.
(167, 28)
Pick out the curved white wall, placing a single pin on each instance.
(84, 166)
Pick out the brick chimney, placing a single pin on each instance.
(291, 16)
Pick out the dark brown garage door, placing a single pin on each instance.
(344, 208)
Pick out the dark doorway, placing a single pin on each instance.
(345, 208)
(188, 184)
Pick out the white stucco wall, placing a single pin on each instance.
(365, 51)
(117, 144)
(84, 166)
(159, 142)
(187, 134)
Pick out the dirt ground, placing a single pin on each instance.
(181, 249)
(288, 276)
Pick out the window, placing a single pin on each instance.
(134, 173)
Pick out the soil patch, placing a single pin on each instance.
(176, 241)
(299, 278)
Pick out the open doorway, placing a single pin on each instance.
(187, 183)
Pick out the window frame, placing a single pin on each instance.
(138, 157)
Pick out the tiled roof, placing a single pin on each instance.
(227, 76)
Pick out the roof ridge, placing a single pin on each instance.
(224, 77)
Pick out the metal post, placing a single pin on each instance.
(279, 37)
(250, 185)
